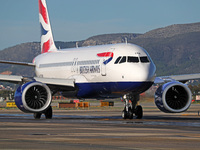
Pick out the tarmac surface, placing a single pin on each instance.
(100, 128)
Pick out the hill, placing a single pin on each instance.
(175, 49)
(172, 30)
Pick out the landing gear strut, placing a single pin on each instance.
(131, 108)
(48, 114)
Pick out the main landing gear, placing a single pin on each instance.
(131, 108)
(48, 114)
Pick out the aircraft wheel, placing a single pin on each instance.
(124, 114)
(48, 113)
(139, 112)
(37, 115)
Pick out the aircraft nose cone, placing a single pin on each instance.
(147, 72)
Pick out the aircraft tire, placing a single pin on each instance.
(124, 114)
(139, 112)
(48, 113)
(37, 115)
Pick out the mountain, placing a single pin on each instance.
(175, 49)
(172, 30)
(109, 39)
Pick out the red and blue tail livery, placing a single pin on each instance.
(47, 42)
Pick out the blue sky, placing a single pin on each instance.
(73, 20)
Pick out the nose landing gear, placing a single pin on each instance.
(131, 107)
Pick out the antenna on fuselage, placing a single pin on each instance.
(126, 40)
(76, 44)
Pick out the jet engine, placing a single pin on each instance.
(33, 97)
(173, 97)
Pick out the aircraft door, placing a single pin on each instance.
(106, 58)
(74, 68)
(103, 68)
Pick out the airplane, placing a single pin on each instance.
(96, 72)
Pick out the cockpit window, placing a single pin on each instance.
(123, 60)
(132, 59)
(144, 59)
(118, 59)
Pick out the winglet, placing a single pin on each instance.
(47, 41)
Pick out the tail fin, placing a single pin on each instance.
(47, 42)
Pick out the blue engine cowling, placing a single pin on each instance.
(173, 97)
(33, 97)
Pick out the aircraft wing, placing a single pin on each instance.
(48, 81)
(11, 78)
(181, 78)
(17, 63)
(51, 82)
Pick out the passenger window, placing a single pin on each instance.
(144, 59)
(123, 60)
(133, 59)
(118, 59)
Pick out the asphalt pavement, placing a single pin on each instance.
(100, 128)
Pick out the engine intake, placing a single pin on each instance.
(33, 97)
(173, 97)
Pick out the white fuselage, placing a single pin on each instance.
(97, 64)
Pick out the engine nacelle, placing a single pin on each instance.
(33, 97)
(173, 97)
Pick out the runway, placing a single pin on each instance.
(100, 129)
